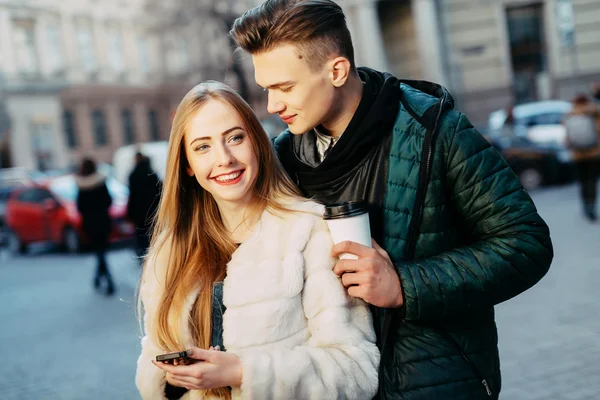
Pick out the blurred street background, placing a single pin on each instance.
(62, 340)
(102, 78)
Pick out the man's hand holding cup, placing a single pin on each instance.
(365, 268)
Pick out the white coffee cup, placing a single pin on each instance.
(348, 221)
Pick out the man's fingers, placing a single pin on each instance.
(346, 266)
(380, 250)
(356, 291)
(350, 278)
(350, 247)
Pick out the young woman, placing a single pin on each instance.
(93, 203)
(229, 213)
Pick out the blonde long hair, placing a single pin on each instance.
(189, 221)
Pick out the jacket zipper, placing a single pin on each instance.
(483, 381)
(409, 249)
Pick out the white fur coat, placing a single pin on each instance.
(288, 318)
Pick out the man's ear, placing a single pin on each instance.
(340, 68)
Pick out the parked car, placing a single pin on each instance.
(538, 121)
(10, 179)
(536, 164)
(47, 212)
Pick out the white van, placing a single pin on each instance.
(123, 159)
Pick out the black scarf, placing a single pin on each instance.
(372, 121)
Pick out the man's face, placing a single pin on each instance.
(302, 98)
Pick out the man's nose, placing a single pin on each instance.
(274, 105)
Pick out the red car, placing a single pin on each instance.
(47, 212)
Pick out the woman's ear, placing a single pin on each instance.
(189, 171)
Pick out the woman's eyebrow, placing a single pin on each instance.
(222, 134)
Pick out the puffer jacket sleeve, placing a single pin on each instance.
(509, 246)
(340, 359)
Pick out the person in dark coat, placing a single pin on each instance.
(93, 203)
(144, 196)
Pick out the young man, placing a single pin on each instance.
(458, 234)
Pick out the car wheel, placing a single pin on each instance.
(15, 246)
(71, 242)
(531, 178)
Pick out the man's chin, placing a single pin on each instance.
(297, 130)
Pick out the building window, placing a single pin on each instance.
(42, 145)
(85, 45)
(127, 122)
(144, 54)
(69, 127)
(115, 48)
(154, 130)
(99, 127)
(25, 46)
(55, 46)
(528, 54)
(178, 59)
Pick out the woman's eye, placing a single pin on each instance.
(202, 147)
(287, 89)
(237, 138)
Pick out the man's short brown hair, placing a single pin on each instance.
(317, 27)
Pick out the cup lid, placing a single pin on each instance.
(345, 210)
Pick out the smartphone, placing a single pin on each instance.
(181, 357)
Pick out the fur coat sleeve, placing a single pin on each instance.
(339, 359)
(151, 380)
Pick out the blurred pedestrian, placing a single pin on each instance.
(228, 208)
(144, 197)
(508, 128)
(459, 234)
(596, 91)
(93, 203)
(583, 138)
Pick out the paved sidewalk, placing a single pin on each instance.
(550, 335)
(62, 340)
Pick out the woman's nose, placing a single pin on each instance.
(224, 156)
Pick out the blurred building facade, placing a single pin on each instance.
(75, 79)
(84, 77)
(489, 53)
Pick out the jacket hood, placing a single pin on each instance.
(423, 99)
(90, 181)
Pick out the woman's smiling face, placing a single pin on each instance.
(220, 153)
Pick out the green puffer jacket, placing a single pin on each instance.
(478, 241)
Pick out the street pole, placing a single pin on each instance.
(4, 119)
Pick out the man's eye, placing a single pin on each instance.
(287, 89)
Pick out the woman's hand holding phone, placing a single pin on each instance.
(217, 369)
